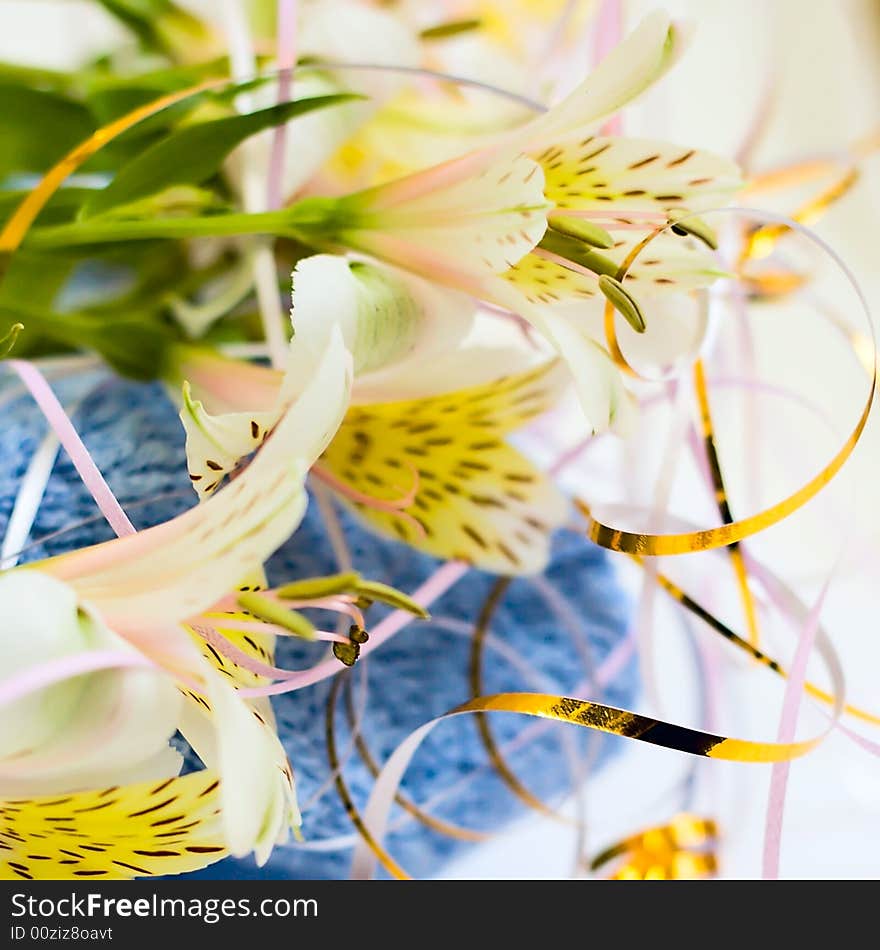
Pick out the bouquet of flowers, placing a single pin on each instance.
(325, 303)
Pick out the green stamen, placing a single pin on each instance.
(453, 28)
(623, 302)
(315, 588)
(272, 612)
(688, 224)
(577, 251)
(582, 230)
(7, 343)
(373, 590)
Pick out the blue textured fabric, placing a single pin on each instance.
(137, 441)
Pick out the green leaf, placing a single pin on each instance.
(37, 128)
(36, 279)
(7, 343)
(194, 154)
(159, 24)
(134, 344)
(61, 207)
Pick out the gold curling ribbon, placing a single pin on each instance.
(435, 824)
(385, 859)
(505, 773)
(689, 604)
(606, 719)
(578, 712)
(683, 849)
(721, 500)
(763, 240)
(654, 545)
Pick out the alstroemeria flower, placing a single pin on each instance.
(146, 595)
(340, 31)
(532, 221)
(422, 455)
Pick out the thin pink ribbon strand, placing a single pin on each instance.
(56, 671)
(85, 465)
(286, 58)
(794, 691)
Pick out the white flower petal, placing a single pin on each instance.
(335, 30)
(598, 382)
(393, 322)
(629, 69)
(179, 568)
(78, 732)
(256, 789)
(216, 444)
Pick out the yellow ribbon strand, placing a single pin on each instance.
(763, 240)
(689, 604)
(385, 859)
(654, 545)
(739, 564)
(497, 760)
(682, 849)
(578, 712)
(435, 824)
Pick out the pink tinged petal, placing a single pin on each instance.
(413, 187)
(179, 569)
(227, 385)
(425, 261)
(459, 232)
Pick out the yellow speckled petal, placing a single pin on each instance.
(215, 445)
(258, 646)
(478, 499)
(543, 281)
(674, 264)
(613, 173)
(134, 831)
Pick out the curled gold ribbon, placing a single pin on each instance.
(692, 606)
(736, 556)
(505, 773)
(578, 712)
(384, 858)
(683, 848)
(763, 240)
(430, 821)
(652, 545)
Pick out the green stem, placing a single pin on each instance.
(270, 223)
